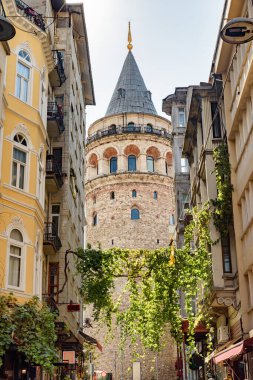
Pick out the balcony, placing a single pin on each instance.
(54, 176)
(132, 128)
(55, 125)
(51, 240)
(30, 14)
(57, 76)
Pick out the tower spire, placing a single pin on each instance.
(129, 46)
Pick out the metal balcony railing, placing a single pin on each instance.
(51, 236)
(52, 168)
(51, 303)
(55, 112)
(132, 128)
(28, 12)
(59, 65)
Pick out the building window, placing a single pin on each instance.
(216, 122)
(95, 219)
(112, 129)
(149, 128)
(135, 214)
(181, 117)
(225, 247)
(132, 163)
(112, 242)
(171, 220)
(94, 199)
(112, 195)
(56, 217)
(113, 165)
(150, 164)
(130, 127)
(53, 280)
(158, 241)
(155, 195)
(23, 75)
(134, 193)
(15, 259)
(184, 165)
(19, 160)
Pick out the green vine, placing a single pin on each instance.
(31, 328)
(222, 213)
(150, 282)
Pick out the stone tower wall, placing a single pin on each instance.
(109, 196)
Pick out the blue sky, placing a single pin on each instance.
(173, 41)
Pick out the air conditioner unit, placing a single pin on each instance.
(222, 334)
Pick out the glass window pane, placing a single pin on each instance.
(113, 165)
(150, 164)
(131, 163)
(21, 176)
(14, 174)
(23, 70)
(14, 270)
(134, 193)
(181, 117)
(18, 87)
(24, 92)
(135, 214)
(16, 235)
(19, 155)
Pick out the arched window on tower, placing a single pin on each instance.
(113, 164)
(150, 164)
(135, 214)
(149, 128)
(134, 193)
(130, 127)
(132, 163)
(94, 219)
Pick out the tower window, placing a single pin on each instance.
(150, 164)
(171, 220)
(113, 165)
(149, 128)
(130, 127)
(132, 163)
(112, 195)
(158, 241)
(112, 242)
(135, 214)
(134, 193)
(155, 195)
(181, 117)
(95, 220)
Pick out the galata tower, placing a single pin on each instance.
(129, 197)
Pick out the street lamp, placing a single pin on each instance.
(238, 30)
(7, 30)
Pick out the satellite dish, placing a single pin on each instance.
(7, 30)
(239, 30)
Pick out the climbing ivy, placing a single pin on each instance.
(150, 282)
(31, 327)
(222, 213)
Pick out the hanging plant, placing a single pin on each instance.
(31, 327)
(223, 212)
(150, 281)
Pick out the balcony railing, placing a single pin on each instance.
(133, 128)
(28, 12)
(57, 75)
(53, 171)
(55, 119)
(51, 237)
(51, 303)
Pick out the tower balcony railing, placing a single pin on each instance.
(51, 240)
(57, 76)
(131, 128)
(28, 12)
(54, 176)
(55, 117)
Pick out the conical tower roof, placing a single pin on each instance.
(130, 94)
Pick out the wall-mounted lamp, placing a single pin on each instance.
(7, 30)
(237, 31)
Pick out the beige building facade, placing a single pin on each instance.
(129, 199)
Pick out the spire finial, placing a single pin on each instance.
(129, 46)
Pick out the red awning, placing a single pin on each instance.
(237, 349)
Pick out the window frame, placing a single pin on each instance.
(150, 161)
(27, 64)
(132, 214)
(21, 245)
(21, 148)
(184, 168)
(94, 219)
(131, 157)
(113, 161)
(134, 193)
(181, 112)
